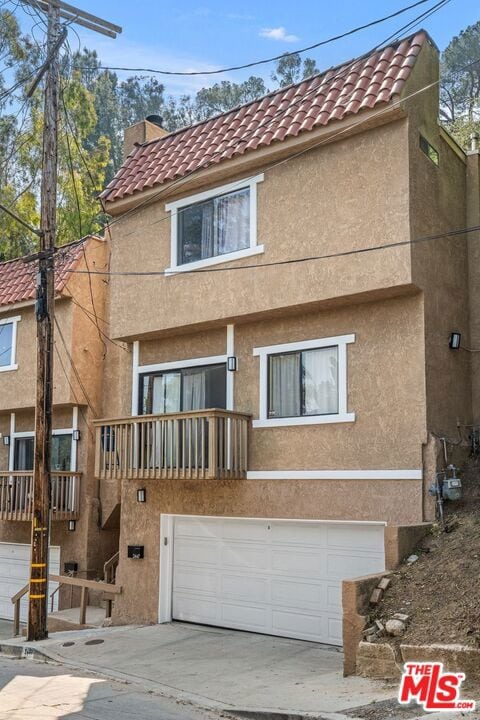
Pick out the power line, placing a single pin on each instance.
(342, 70)
(291, 261)
(74, 368)
(266, 60)
(79, 404)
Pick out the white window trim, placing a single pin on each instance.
(138, 369)
(341, 341)
(14, 435)
(13, 355)
(173, 208)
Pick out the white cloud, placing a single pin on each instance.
(278, 33)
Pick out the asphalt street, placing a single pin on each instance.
(30, 689)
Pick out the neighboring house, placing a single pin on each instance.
(76, 533)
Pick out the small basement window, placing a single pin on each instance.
(429, 150)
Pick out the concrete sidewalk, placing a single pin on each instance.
(217, 668)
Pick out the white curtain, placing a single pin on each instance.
(231, 222)
(320, 381)
(207, 231)
(194, 390)
(166, 393)
(284, 385)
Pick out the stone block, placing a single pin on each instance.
(377, 660)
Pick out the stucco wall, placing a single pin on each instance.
(331, 199)
(387, 392)
(439, 266)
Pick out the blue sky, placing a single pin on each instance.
(210, 34)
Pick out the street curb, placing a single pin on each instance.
(27, 652)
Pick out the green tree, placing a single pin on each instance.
(460, 87)
(226, 95)
(292, 69)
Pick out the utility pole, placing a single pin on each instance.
(45, 305)
(45, 309)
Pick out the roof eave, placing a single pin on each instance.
(262, 156)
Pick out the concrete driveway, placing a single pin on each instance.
(217, 668)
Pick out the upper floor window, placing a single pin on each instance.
(429, 150)
(215, 226)
(8, 343)
(304, 383)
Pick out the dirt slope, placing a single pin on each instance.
(441, 590)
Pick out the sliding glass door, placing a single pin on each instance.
(180, 442)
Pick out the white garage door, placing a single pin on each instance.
(270, 576)
(15, 573)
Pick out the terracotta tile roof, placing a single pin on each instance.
(18, 278)
(358, 85)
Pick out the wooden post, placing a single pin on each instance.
(212, 445)
(37, 610)
(83, 605)
(16, 618)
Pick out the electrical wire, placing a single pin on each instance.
(290, 261)
(266, 60)
(342, 70)
(74, 368)
(79, 403)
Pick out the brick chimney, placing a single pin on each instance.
(143, 131)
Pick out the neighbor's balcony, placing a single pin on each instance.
(201, 444)
(16, 495)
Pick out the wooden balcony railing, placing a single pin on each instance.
(16, 495)
(188, 445)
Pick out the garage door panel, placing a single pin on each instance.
(270, 576)
(292, 534)
(334, 596)
(299, 625)
(235, 530)
(252, 589)
(201, 581)
(296, 562)
(193, 527)
(196, 609)
(365, 537)
(334, 630)
(342, 565)
(244, 616)
(14, 575)
(197, 551)
(306, 596)
(244, 555)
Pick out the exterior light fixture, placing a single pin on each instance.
(455, 340)
(141, 495)
(232, 363)
(6, 439)
(76, 435)
(72, 525)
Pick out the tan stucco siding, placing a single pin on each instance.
(439, 266)
(346, 195)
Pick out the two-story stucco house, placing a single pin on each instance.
(77, 537)
(290, 321)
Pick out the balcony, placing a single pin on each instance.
(16, 495)
(197, 445)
